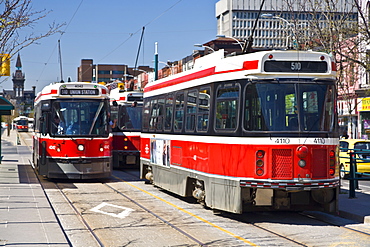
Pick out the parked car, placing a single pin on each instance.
(348, 145)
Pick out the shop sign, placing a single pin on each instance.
(365, 104)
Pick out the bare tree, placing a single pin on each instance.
(339, 28)
(16, 15)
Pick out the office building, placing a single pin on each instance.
(280, 24)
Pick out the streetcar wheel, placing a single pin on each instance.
(323, 196)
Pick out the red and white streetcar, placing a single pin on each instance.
(72, 136)
(21, 123)
(248, 132)
(126, 112)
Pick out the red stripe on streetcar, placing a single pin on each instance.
(193, 76)
(250, 64)
(247, 65)
(53, 91)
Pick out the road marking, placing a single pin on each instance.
(189, 213)
(123, 211)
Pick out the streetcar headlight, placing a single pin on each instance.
(81, 147)
(302, 163)
(101, 149)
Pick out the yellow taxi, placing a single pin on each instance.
(348, 145)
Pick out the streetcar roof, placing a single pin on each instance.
(122, 97)
(20, 118)
(217, 67)
(72, 90)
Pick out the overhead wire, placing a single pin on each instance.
(137, 31)
(61, 34)
(127, 39)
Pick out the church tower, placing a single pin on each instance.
(18, 82)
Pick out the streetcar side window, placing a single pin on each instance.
(168, 112)
(114, 115)
(161, 105)
(227, 108)
(43, 123)
(154, 114)
(191, 110)
(146, 114)
(330, 102)
(253, 117)
(203, 109)
(179, 112)
(157, 114)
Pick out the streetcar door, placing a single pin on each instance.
(43, 131)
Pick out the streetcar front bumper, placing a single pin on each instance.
(77, 168)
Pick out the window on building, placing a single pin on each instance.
(117, 72)
(104, 72)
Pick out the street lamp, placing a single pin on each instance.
(271, 16)
(289, 24)
(200, 45)
(140, 82)
(167, 65)
(224, 36)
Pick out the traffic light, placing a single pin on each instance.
(5, 65)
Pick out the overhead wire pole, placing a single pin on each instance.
(247, 48)
(156, 61)
(138, 50)
(60, 62)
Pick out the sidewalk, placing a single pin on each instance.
(358, 208)
(26, 218)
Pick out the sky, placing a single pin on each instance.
(109, 33)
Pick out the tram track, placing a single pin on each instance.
(310, 215)
(206, 221)
(197, 242)
(317, 217)
(131, 176)
(91, 229)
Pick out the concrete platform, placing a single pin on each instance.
(26, 217)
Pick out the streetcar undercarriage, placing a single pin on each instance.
(227, 195)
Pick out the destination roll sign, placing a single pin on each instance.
(67, 91)
(296, 66)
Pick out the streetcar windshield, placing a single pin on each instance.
(290, 107)
(129, 118)
(22, 122)
(78, 117)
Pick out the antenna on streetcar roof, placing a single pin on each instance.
(247, 48)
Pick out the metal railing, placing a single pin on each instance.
(353, 174)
